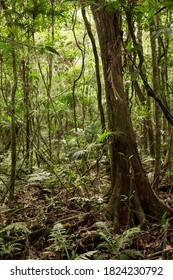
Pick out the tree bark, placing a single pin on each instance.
(131, 193)
(9, 23)
(156, 88)
(27, 109)
(97, 69)
(13, 130)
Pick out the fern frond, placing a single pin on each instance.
(85, 256)
(131, 254)
(80, 154)
(59, 238)
(127, 236)
(17, 228)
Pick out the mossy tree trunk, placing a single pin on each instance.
(131, 193)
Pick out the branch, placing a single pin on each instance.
(149, 90)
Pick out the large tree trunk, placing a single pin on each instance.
(131, 193)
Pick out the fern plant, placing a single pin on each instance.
(14, 229)
(84, 256)
(117, 245)
(8, 248)
(59, 240)
(12, 232)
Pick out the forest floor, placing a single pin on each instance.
(53, 220)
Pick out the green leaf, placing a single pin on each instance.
(129, 45)
(85, 256)
(52, 50)
(69, 43)
(9, 118)
(163, 219)
(105, 136)
(151, 14)
(139, 9)
(168, 4)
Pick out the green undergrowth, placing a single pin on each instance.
(60, 214)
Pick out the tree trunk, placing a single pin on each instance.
(9, 23)
(97, 69)
(156, 88)
(13, 131)
(131, 194)
(27, 110)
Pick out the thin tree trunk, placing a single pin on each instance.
(150, 129)
(74, 19)
(149, 90)
(13, 130)
(26, 110)
(97, 69)
(156, 88)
